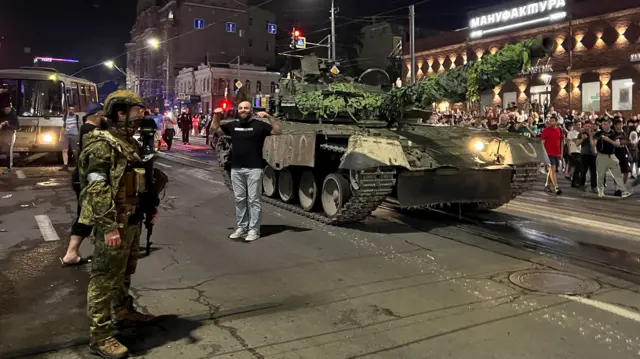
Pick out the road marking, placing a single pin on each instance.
(614, 309)
(563, 218)
(20, 174)
(46, 228)
(163, 165)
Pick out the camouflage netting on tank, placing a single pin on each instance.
(329, 101)
(461, 84)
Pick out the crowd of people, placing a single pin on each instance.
(579, 145)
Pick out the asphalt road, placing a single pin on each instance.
(399, 285)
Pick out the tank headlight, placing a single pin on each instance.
(47, 138)
(478, 145)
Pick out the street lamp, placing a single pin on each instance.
(112, 65)
(155, 43)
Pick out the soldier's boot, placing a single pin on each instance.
(109, 348)
(128, 317)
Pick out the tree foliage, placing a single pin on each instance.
(460, 84)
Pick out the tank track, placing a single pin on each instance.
(375, 185)
(523, 180)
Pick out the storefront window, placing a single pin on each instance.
(508, 97)
(540, 94)
(486, 99)
(591, 96)
(622, 91)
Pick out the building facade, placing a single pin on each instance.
(202, 89)
(595, 67)
(172, 34)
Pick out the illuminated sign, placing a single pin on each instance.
(537, 70)
(52, 59)
(635, 57)
(518, 16)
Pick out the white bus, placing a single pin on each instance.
(40, 97)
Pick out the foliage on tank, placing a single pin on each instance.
(339, 97)
(463, 83)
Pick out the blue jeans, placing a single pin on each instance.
(8, 140)
(247, 189)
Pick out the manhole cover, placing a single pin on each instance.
(553, 282)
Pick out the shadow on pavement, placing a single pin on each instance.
(163, 330)
(273, 229)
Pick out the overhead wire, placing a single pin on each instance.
(379, 14)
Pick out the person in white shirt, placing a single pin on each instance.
(574, 153)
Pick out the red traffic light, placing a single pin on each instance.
(296, 33)
(224, 104)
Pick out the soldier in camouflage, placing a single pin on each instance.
(112, 180)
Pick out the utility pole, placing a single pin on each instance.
(333, 31)
(412, 41)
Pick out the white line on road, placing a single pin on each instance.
(614, 309)
(163, 165)
(563, 218)
(46, 228)
(20, 174)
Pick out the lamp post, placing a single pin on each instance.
(154, 43)
(112, 65)
(333, 31)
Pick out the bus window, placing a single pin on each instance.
(72, 95)
(83, 100)
(34, 98)
(91, 94)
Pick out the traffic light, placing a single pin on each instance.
(225, 104)
(295, 33)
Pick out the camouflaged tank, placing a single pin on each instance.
(337, 168)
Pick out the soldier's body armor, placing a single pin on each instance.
(132, 184)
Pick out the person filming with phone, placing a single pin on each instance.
(247, 138)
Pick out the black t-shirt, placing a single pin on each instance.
(247, 140)
(84, 129)
(605, 147)
(148, 124)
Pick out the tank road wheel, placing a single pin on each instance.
(286, 185)
(269, 182)
(308, 190)
(335, 193)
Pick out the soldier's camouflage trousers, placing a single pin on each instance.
(110, 280)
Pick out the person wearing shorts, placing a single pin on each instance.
(70, 134)
(553, 137)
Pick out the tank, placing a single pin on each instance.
(337, 166)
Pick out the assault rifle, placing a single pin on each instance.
(155, 182)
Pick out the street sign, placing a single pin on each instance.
(231, 27)
(334, 70)
(198, 24)
(301, 43)
(272, 28)
(238, 84)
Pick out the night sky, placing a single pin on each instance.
(94, 30)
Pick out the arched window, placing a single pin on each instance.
(273, 87)
(221, 85)
(259, 86)
(248, 86)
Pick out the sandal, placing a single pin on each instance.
(82, 261)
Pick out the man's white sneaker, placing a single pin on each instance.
(239, 233)
(601, 193)
(626, 194)
(252, 236)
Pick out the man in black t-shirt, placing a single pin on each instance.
(606, 141)
(247, 138)
(92, 120)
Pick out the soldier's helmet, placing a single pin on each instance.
(122, 97)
